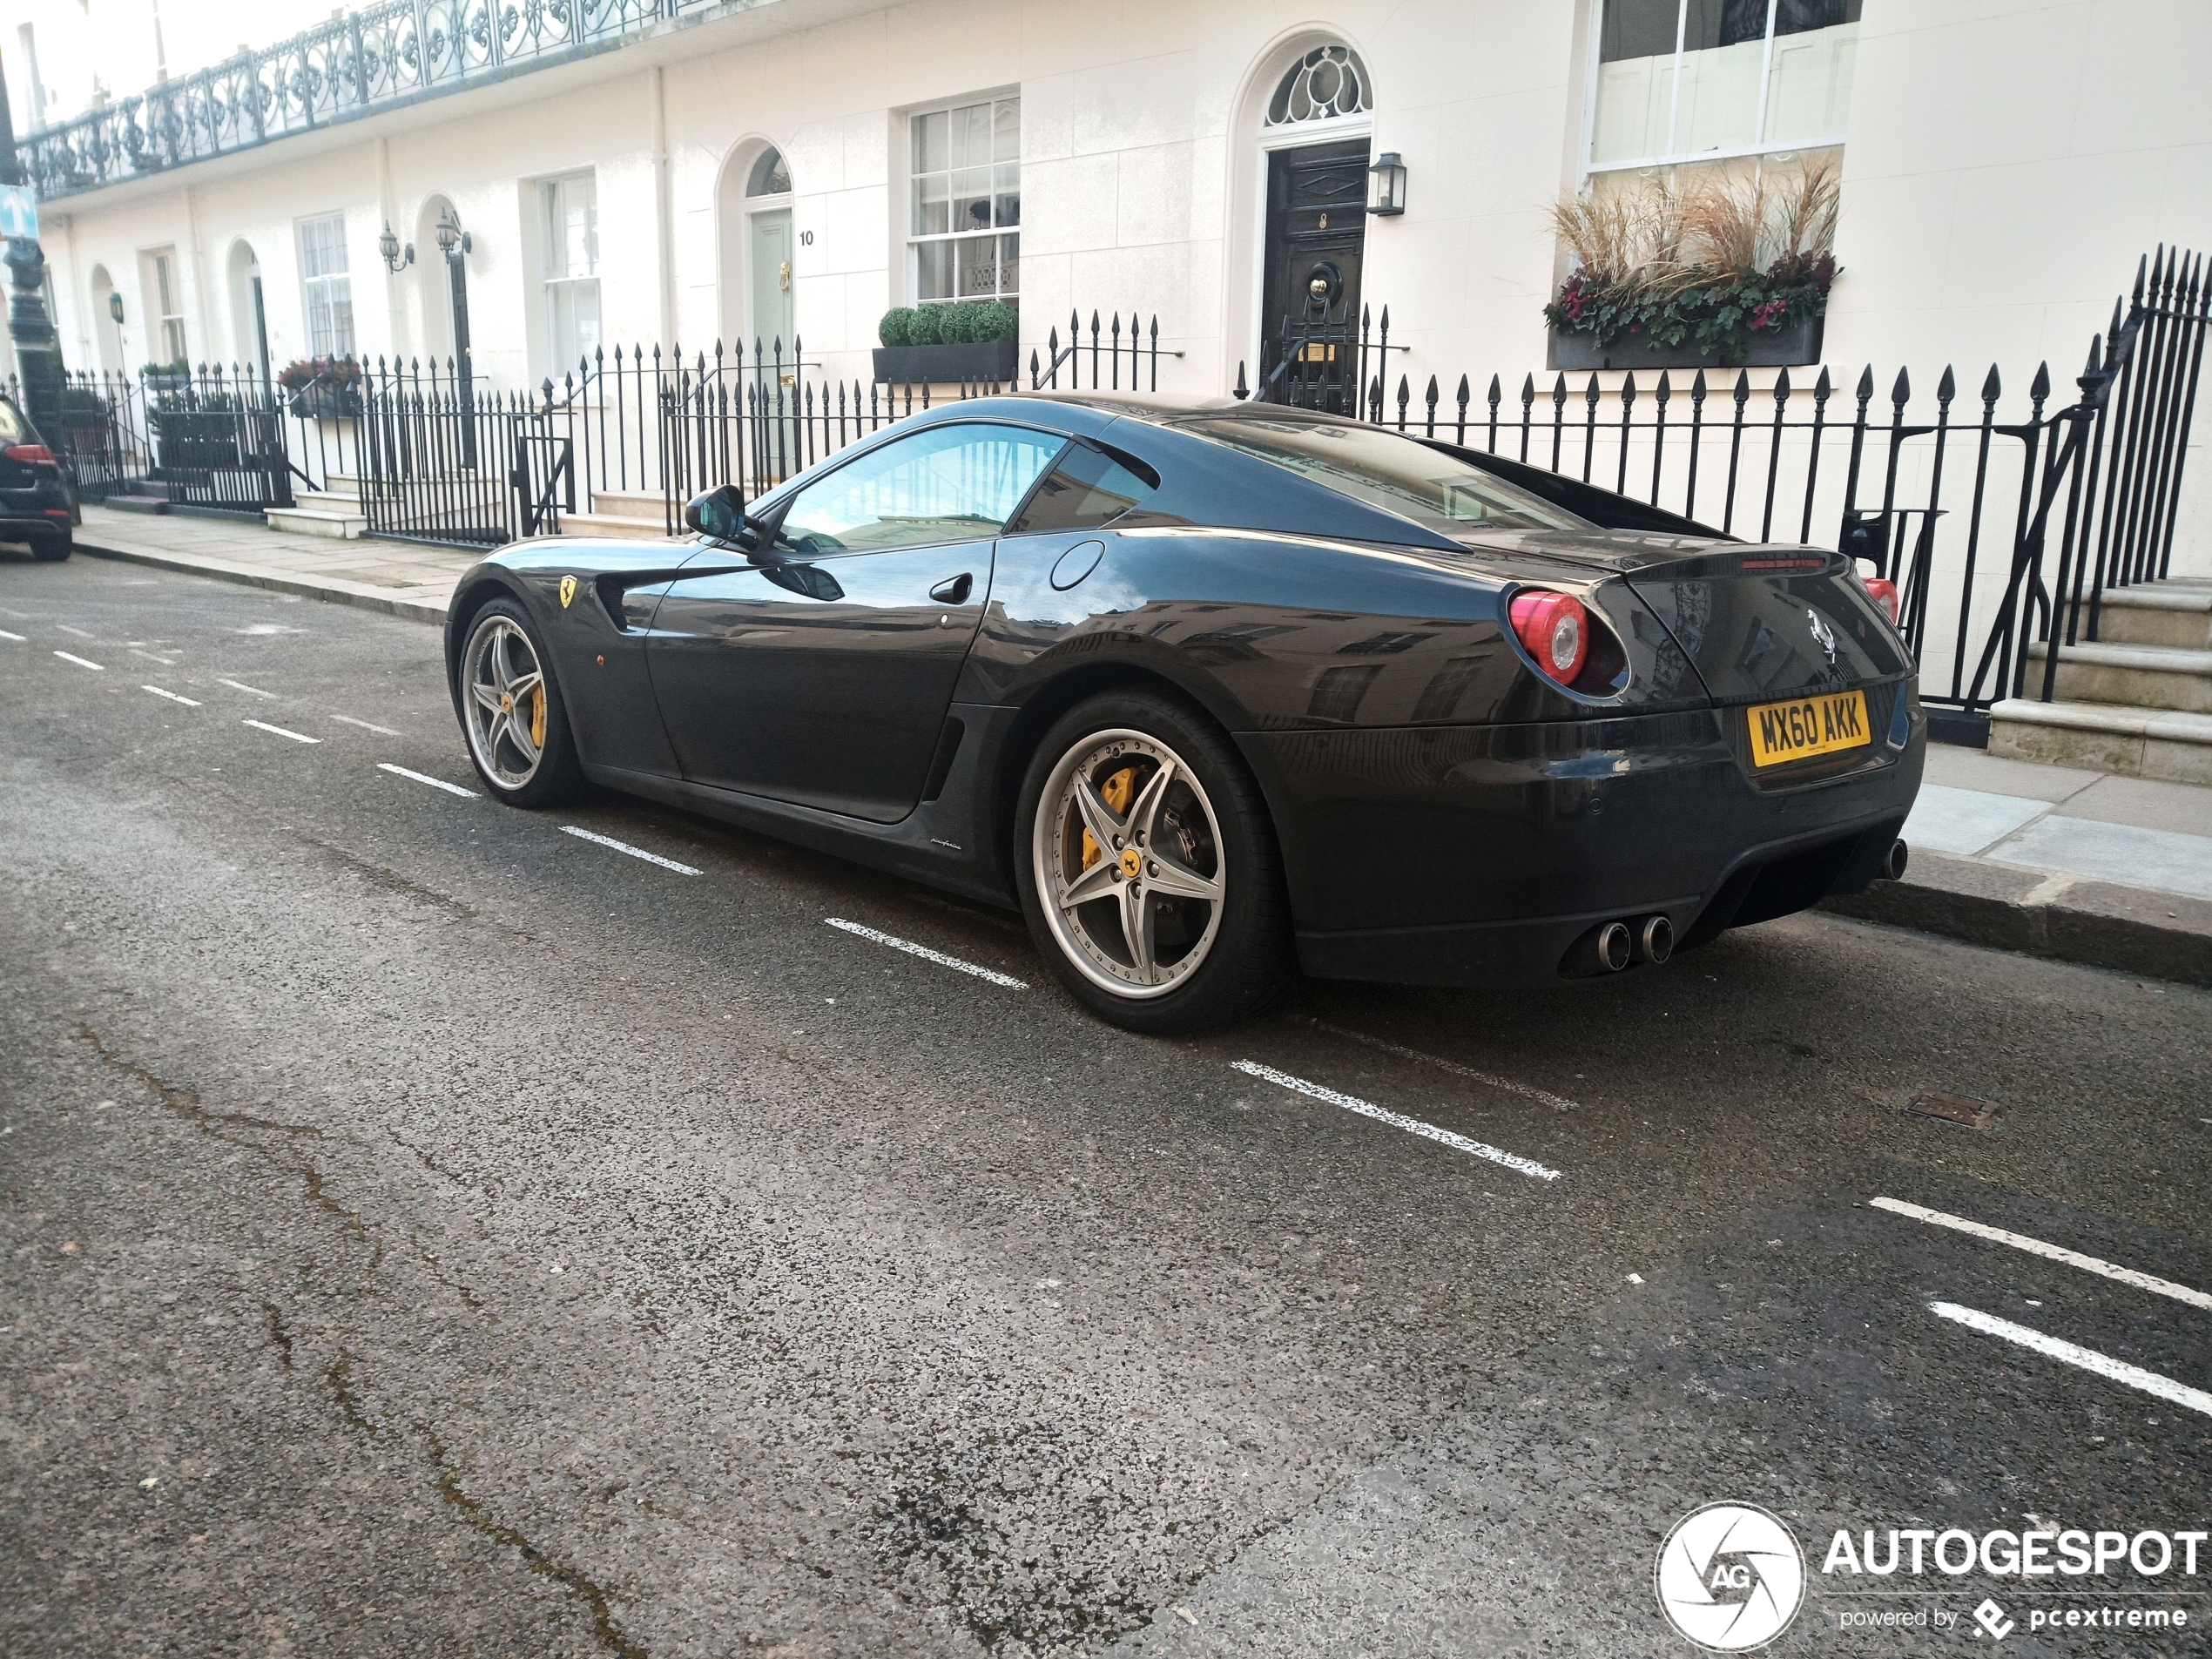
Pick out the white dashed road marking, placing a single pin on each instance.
(190, 703)
(382, 731)
(4, 634)
(425, 778)
(79, 661)
(2089, 1359)
(624, 846)
(1557, 1102)
(2050, 1253)
(166, 662)
(297, 736)
(248, 689)
(927, 955)
(80, 632)
(1397, 1120)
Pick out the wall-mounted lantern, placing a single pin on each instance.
(389, 245)
(115, 306)
(451, 238)
(1386, 185)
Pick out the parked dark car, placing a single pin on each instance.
(1214, 691)
(34, 497)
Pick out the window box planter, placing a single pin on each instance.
(1786, 347)
(325, 401)
(978, 360)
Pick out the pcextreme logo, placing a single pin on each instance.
(1730, 1577)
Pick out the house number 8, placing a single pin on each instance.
(806, 238)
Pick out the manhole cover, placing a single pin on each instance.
(1954, 1109)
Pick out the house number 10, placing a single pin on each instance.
(806, 238)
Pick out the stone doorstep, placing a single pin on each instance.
(2136, 742)
(2100, 924)
(309, 520)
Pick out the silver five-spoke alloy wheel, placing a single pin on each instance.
(503, 686)
(1129, 863)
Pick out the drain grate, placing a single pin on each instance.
(1954, 1109)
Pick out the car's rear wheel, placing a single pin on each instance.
(51, 549)
(1148, 869)
(517, 724)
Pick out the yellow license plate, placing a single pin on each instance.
(1805, 726)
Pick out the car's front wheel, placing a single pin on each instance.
(517, 726)
(1148, 869)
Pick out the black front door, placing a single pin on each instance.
(1317, 231)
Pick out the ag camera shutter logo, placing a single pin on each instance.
(1730, 1577)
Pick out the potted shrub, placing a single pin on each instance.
(322, 386)
(165, 377)
(971, 340)
(1718, 274)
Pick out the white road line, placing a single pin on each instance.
(927, 955)
(80, 632)
(248, 689)
(166, 662)
(297, 736)
(4, 634)
(1397, 1120)
(382, 731)
(425, 778)
(2049, 1252)
(79, 661)
(624, 846)
(2104, 1366)
(1557, 1102)
(189, 703)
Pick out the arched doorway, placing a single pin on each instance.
(106, 330)
(249, 316)
(443, 281)
(758, 298)
(1310, 112)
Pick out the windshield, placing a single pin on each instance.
(1387, 470)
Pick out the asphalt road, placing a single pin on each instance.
(430, 1232)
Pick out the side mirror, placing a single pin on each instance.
(719, 514)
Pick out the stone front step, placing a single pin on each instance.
(2175, 615)
(2104, 737)
(308, 520)
(2152, 677)
(629, 504)
(622, 529)
(329, 500)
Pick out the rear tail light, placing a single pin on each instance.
(31, 453)
(1555, 629)
(1884, 593)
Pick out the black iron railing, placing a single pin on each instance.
(358, 62)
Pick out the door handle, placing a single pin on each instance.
(954, 591)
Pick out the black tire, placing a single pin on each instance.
(556, 778)
(51, 549)
(1246, 957)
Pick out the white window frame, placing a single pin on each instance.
(1590, 169)
(165, 304)
(913, 241)
(553, 285)
(332, 286)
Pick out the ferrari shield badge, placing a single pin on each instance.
(567, 590)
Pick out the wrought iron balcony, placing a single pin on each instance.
(350, 66)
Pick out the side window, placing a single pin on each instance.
(951, 483)
(1087, 489)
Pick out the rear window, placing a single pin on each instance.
(13, 429)
(1388, 471)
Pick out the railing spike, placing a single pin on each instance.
(1781, 388)
(2040, 388)
(1743, 392)
(1993, 385)
(1948, 388)
(2142, 263)
(1866, 383)
(1821, 388)
(1901, 392)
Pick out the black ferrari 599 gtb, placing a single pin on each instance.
(1217, 692)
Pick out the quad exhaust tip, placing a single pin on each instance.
(1656, 940)
(1613, 946)
(1894, 861)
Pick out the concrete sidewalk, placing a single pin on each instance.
(2082, 865)
(402, 578)
(2110, 871)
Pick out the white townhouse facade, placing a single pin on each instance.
(762, 168)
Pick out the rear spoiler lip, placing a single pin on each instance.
(1607, 509)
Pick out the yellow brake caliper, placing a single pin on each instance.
(537, 717)
(1117, 791)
